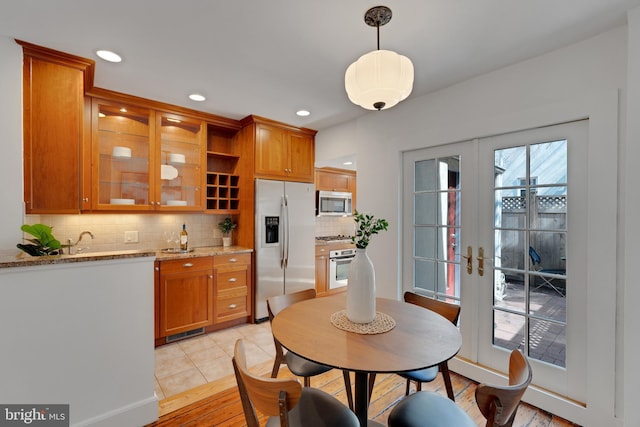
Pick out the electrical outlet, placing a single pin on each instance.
(131, 237)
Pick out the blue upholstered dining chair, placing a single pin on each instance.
(498, 404)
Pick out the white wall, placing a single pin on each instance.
(12, 210)
(80, 334)
(630, 253)
(582, 80)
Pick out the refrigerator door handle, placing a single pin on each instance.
(283, 228)
(286, 231)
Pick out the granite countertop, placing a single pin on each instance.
(13, 258)
(203, 251)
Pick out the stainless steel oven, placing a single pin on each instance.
(339, 261)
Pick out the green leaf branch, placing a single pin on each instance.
(43, 244)
(366, 226)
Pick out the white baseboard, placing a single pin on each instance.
(136, 414)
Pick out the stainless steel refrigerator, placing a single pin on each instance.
(285, 240)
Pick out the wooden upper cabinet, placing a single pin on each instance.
(145, 159)
(122, 148)
(180, 162)
(330, 179)
(301, 156)
(282, 152)
(53, 101)
(272, 151)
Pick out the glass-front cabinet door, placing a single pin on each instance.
(180, 161)
(144, 159)
(122, 148)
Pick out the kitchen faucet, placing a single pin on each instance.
(70, 245)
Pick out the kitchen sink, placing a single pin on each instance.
(176, 250)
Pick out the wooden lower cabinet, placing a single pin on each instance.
(186, 295)
(210, 292)
(232, 286)
(322, 270)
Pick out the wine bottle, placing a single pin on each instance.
(184, 238)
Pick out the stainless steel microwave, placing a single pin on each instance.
(333, 203)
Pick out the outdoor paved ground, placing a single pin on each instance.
(547, 339)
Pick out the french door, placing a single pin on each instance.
(498, 224)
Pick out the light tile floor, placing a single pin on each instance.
(186, 364)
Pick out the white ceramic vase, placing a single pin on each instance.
(361, 289)
(226, 240)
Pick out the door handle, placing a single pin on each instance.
(481, 261)
(469, 258)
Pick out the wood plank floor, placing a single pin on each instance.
(218, 403)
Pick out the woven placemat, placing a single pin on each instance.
(381, 324)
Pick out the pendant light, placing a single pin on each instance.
(379, 79)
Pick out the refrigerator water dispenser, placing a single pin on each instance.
(271, 226)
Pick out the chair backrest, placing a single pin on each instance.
(279, 302)
(447, 310)
(535, 257)
(264, 394)
(499, 404)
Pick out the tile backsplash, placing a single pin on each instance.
(334, 226)
(153, 229)
(109, 229)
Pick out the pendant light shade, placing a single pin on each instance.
(380, 79)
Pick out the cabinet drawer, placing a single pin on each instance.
(230, 308)
(185, 265)
(234, 259)
(230, 277)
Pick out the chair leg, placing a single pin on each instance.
(408, 388)
(307, 381)
(347, 388)
(444, 369)
(276, 368)
(372, 381)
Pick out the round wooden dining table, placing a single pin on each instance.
(419, 339)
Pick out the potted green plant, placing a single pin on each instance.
(226, 226)
(361, 279)
(366, 226)
(44, 242)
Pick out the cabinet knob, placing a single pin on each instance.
(233, 260)
(86, 200)
(157, 268)
(211, 276)
(232, 306)
(232, 279)
(187, 264)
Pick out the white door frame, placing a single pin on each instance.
(602, 110)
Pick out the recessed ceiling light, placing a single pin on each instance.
(107, 55)
(197, 97)
(347, 163)
(303, 113)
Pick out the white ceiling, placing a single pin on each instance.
(271, 58)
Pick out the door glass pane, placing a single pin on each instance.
(509, 330)
(425, 209)
(426, 178)
(530, 228)
(180, 169)
(123, 155)
(543, 169)
(436, 202)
